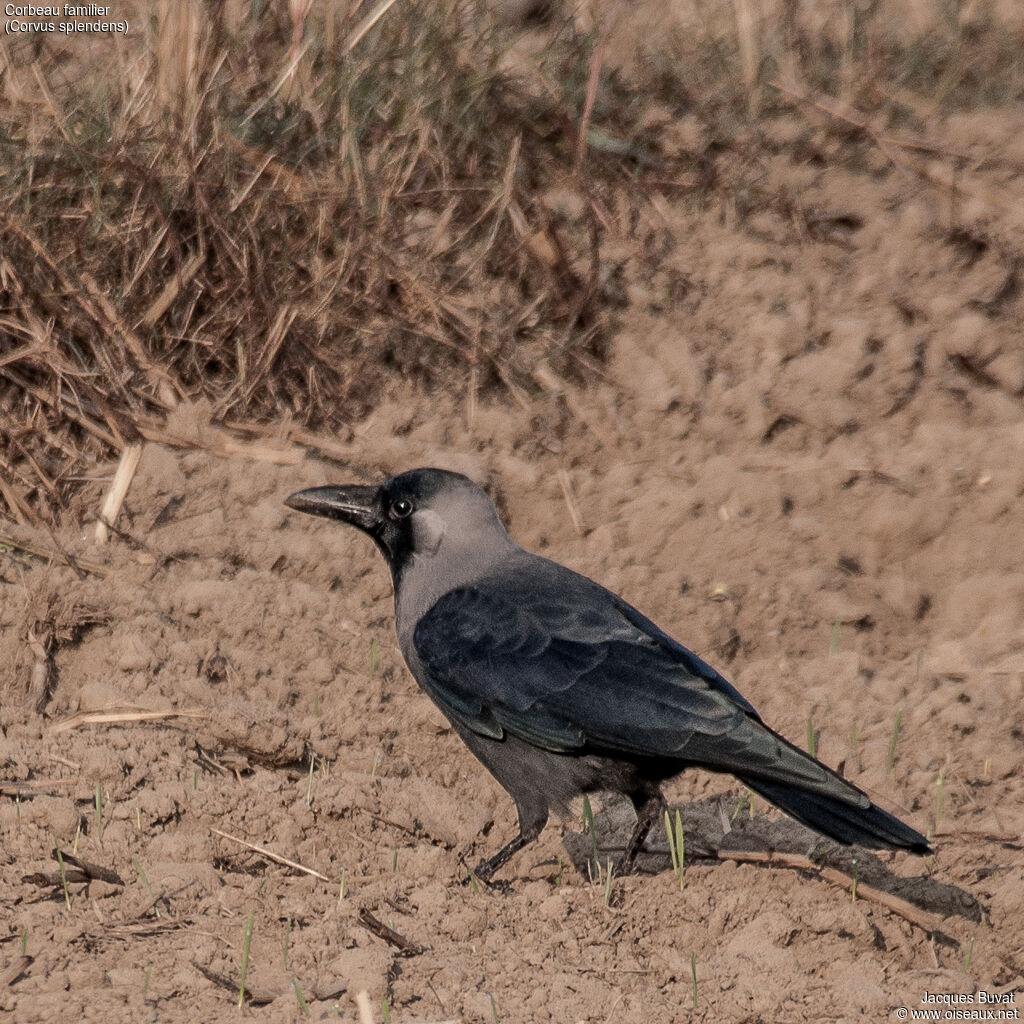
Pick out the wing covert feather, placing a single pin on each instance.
(570, 674)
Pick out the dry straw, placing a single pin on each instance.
(282, 207)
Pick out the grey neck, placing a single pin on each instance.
(424, 579)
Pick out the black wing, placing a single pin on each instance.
(566, 665)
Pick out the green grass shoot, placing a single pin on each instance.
(746, 799)
(146, 980)
(287, 937)
(195, 778)
(856, 878)
(693, 975)
(63, 879)
(494, 1009)
(833, 644)
(890, 758)
(970, 955)
(24, 941)
(677, 847)
(141, 872)
(854, 733)
(385, 1011)
(300, 998)
(812, 738)
(588, 826)
(246, 944)
(99, 813)
(309, 781)
(316, 706)
(740, 801)
(939, 793)
(341, 887)
(374, 651)
(608, 884)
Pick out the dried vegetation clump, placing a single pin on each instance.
(276, 212)
(279, 207)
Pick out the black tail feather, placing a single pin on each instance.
(870, 827)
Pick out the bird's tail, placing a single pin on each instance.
(870, 826)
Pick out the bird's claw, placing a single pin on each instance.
(481, 876)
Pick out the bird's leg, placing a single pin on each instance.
(531, 823)
(649, 807)
(486, 868)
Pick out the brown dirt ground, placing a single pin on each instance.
(806, 462)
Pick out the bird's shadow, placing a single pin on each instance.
(715, 828)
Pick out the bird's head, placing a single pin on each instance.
(414, 516)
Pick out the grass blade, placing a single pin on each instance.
(890, 758)
(246, 944)
(677, 847)
(300, 998)
(64, 879)
(141, 872)
(588, 826)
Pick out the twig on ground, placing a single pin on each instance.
(118, 491)
(34, 787)
(389, 935)
(363, 1005)
(91, 870)
(257, 995)
(270, 854)
(9, 543)
(120, 717)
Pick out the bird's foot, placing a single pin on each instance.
(475, 876)
(486, 868)
(649, 808)
(481, 875)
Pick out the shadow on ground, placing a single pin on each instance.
(719, 829)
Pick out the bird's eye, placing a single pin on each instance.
(401, 508)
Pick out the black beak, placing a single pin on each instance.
(359, 506)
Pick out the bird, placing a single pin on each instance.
(562, 688)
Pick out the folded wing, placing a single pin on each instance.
(573, 668)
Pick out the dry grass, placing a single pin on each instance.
(279, 207)
(278, 215)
